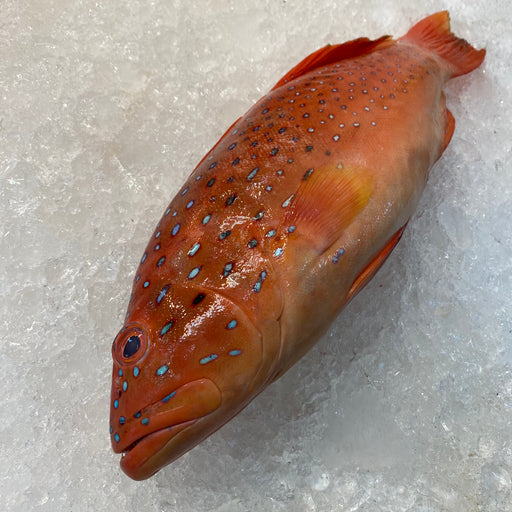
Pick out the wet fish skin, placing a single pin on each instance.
(278, 227)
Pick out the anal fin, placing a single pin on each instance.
(371, 269)
(448, 132)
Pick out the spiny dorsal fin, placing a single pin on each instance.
(334, 53)
(327, 202)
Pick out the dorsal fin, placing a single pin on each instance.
(334, 53)
(326, 202)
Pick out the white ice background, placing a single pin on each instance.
(105, 108)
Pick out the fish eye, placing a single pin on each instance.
(130, 345)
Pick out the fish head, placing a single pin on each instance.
(183, 366)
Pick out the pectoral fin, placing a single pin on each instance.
(327, 202)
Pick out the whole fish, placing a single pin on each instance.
(279, 226)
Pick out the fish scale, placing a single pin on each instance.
(278, 227)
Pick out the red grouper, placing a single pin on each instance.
(288, 216)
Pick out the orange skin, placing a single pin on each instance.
(277, 228)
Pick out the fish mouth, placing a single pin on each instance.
(145, 448)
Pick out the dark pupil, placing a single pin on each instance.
(131, 347)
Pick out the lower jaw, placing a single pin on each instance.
(142, 461)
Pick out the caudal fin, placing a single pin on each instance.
(434, 33)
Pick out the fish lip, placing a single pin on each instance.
(189, 402)
(138, 461)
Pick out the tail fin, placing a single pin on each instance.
(434, 33)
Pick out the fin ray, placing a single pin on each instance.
(327, 202)
(433, 32)
(371, 269)
(334, 53)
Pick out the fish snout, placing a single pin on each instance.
(147, 432)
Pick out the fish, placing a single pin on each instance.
(278, 227)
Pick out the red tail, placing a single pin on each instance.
(434, 33)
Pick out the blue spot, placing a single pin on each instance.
(259, 215)
(271, 233)
(212, 165)
(278, 251)
(185, 190)
(252, 173)
(144, 257)
(206, 219)
(175, 229)
(111, 429)
(162, 370)
(199, 177)
(232, 324)
(338, 255)
(160, 261)
(211, 182)
(122, 420)
(166, 328)
(194, 272)
(162, 293)
(157, 247)
(307, 174)
(228, 267)
(120, 373)
(291, 229)
(257, 286)
(235, 352)
(136, 371)
(145, 421)
(224, 234)
(168, 397)
(175, 213)
(146, 284)
(189, 204)
(208, 359)
(125, 386)
(137, 414)
(167, 211)
(252, 243)
(116, 404)
(230, 200)
(268, 188)
(194, 249)
(116, 437)
(288, 201)
(137, 279)
(158, 234)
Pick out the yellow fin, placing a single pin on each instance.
(327, 201)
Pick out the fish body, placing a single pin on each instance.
(278, 227)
